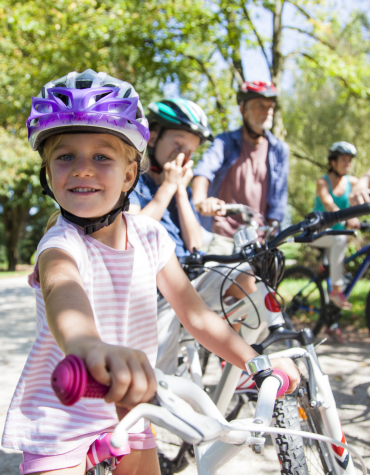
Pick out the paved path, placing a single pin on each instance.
(348, 367)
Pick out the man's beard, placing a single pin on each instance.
(267, 125)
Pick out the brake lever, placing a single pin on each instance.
(308, 236)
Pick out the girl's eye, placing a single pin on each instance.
(100, 158)
(65, 158)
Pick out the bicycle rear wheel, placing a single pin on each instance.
(304, 295)
(368, 311)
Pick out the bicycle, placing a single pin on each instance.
(312, 297)
(306, 399)
(185, 409)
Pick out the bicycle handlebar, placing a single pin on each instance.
(70, 377)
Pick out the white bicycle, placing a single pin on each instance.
(313, 407)
(183, 408)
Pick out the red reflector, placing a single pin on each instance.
(271, 302)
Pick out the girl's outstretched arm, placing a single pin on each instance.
(206, 326)
(71, 321)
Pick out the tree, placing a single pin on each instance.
(212, 47)
(19, 188)
(314, 119)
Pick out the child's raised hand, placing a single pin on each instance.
(173, 170)
(290, 368)
(126, 371)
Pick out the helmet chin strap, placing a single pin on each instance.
(154, 164)
(339, 175)
(89, 225)
(254, 135)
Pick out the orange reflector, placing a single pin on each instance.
(302, 413)
(153, 430)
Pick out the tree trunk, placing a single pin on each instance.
(13, 218)
(277, 67)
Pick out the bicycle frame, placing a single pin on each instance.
(361, 271)
(349, 288)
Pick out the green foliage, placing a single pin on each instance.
(197, 45)
(314, 119)
(19, 192)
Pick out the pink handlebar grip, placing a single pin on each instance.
(71, 381)
(283, 377)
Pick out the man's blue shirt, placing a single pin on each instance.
(144, 193)
(225, 151)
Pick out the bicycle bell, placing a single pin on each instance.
(245, 236)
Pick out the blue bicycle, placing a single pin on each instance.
(306, 292)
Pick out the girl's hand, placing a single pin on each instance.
(126, 371)
(290, 368)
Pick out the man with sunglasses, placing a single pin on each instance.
(247, 166)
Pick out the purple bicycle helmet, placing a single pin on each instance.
(87, 102)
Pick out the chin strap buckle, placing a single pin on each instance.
(92, 228)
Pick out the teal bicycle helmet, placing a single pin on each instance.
(180, 114)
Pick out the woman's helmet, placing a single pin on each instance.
(180, 114)
(338, 148)
(251, 90)
(88, 102)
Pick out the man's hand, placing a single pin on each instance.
(211, 207)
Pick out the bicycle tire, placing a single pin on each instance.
(290, 449)
(367, 311)
(319, 457)
(299, 455)
(312, 298)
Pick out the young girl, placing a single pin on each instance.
(96, 274)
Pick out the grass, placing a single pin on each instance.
(355, 316)
(291, 250)
(7, 274)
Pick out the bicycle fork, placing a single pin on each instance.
(321, 396)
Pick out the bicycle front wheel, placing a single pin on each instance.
(319, 457)
(299, 455)
(304, 295)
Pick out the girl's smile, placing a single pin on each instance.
(89, 172)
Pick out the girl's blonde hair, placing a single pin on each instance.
(128, 151)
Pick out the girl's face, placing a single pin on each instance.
(342, 164)
(88, 172)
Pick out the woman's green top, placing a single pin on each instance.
(341, 201)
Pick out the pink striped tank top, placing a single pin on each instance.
(121, 287)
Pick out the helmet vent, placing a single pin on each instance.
(63, 98)
(127, 93)
(83, 83)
